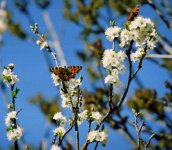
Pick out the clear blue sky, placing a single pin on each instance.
(34, 77)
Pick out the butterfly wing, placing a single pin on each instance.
(133, 13)
(60, 72)
(66, 74)
(72, 71)
(57, 70)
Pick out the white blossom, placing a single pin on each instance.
(112, 79)
(60, 119)
(65, 101)
(98, 136)
(56, 79)
(112, 58)
(72, 93)
(75, 82)
(137, 55)
(15, 134)
(112, 32)
(8, 77)
(11, 65)
(96, 116)
(82, 116)
(59, 131)
(92, 135)
(42, 43)
(55, 147)
(125, 37)
(102, 136)
(10, 117)
(140, 30)
(112, 61)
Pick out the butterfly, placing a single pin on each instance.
(66, 73)
(133, 14)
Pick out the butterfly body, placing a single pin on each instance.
(66, 73)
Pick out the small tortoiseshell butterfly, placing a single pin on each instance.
(133, 14)
(66, 73)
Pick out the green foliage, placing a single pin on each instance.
(15, 27)
(167, 63)
(49, 108)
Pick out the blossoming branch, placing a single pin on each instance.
(14, 131)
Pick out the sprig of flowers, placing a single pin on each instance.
(140, 31)
(14, 131)
(8, 76)
(42, 42)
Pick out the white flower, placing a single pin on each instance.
(65, 100)
(55, 147)
(150, 45)
(96, 116)
(82, 116)
(125, 37)
(11, 65)
(69, 97)
(121, 55)
(98, 136)
(10, 117)
(112, 32)
(56, 79)
(112, 61)
(75, 82)
(140, 30)
(43, 44)
(15, 134)
(92, 135)
(3, 20)
(110, 58)
(112, 78)
(137, 55)
(59, 131)
(60, 119)
(8, 77)
(144, 30)
(102, 136)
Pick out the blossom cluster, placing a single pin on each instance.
(141, 31)
(14, 131)
(41, 41)
(14, 134)
(8, 75)
(61, 121)
(112, 62)
(96, 135)
(71, 98)
(89, 115)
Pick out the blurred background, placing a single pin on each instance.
(75, 31)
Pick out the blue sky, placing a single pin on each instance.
(34, 77)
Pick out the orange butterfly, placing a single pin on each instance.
(133, 14)
(66, 73)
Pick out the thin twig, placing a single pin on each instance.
(14, 121)
(138, 128)
(148, 143)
